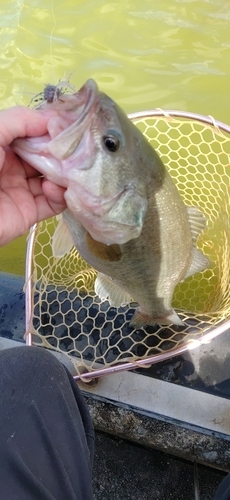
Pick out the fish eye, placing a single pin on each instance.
(111, 142)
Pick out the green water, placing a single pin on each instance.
(145, 55)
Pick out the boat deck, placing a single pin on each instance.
(149, 447)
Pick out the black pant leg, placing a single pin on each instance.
(223, 492)
(46, 434)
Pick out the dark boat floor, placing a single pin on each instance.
(122, 470)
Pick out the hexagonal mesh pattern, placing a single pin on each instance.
(67, 315)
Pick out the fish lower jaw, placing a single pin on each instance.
(103, 230)
(81, 200)
(141, 319)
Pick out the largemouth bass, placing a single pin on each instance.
(125, 215)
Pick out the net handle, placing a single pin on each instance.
(28, 284)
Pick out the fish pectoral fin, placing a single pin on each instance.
(106, 289)
(62, 241)
(141, 319)
(103, 251)
(199, 263)
(197, 221)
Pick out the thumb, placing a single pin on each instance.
(20, 121)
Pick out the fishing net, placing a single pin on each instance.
(64, 313)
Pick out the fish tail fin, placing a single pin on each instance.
(141, 319)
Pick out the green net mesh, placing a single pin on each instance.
(67, 316)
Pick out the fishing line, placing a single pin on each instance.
(51, 39)
(65, 80)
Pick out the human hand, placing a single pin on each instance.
(25, 197)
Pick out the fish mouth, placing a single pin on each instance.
(86, 98)
(76, 105)
(78, 109)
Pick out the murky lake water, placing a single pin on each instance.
(145, 55)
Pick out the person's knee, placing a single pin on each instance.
(24, 362)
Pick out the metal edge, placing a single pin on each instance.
(171, 113)
(186, 441)
(157, 358)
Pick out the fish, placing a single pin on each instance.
(124, 212)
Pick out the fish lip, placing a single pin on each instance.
(87, 97)
(86, 102)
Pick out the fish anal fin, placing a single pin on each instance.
(62, 241)
(103, 251)
(141, 319)
(197, 221)
(199, 263)
(105, 288)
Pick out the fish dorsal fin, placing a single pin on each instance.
(197, 221)
(103, 251)
(106, 289)
(62, 241)
(199, 263)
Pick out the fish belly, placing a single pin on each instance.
(151, 265)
